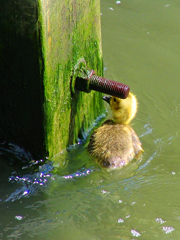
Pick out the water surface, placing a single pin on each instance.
(141, 41)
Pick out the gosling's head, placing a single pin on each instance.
(123, 110)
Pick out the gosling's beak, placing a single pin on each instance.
(106, 98)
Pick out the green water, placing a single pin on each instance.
(142, 201)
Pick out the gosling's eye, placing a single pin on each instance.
(114, 99)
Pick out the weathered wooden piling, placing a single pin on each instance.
(40, 43)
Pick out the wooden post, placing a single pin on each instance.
(40, 43)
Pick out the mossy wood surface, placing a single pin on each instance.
(41, 42)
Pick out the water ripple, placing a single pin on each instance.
(30, 182)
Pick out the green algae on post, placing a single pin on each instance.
(70, 30)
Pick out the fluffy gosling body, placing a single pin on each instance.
(115, 143)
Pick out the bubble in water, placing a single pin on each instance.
(105, 192)
(135, 233)
(160, 220)
(167, 229)
(120, 220)
(19, 217)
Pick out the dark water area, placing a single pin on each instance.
(69, 196)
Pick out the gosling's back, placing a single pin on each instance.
(114, 145)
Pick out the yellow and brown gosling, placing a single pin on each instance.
(115, 143)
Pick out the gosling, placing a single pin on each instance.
(115, 143)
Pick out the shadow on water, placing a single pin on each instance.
(27, 176)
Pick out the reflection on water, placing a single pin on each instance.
(30, 182)
(79, 200)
